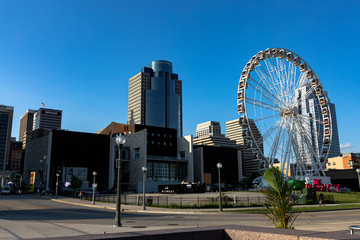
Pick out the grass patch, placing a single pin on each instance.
(349, 197)
(304, 209)
(194, 206)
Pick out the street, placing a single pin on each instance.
(35, 217)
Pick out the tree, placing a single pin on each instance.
(279, 202)
(75, 183)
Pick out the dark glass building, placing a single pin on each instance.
(6, 117)
(155, 97)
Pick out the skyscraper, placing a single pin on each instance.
(47, 118)
(335, 145)
(155, 97)
(210, 128)
(26, 125)
(310, 108)
(6, 117)
(209, 133)
(234, 131)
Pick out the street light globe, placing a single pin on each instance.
(144, 169)
(58, 174)
(358, 170)
(94, 173)
(219, 165)
(120, 140)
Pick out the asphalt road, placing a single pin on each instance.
(32, 217)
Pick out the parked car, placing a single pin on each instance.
(6, 190)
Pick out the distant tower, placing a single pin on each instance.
(155, 97)
(6, 118)
(335, 145)
(235, 132)
(26, 125)
(209, 128)
(310, 107)
(47, 118)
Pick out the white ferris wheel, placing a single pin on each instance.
(285, 114)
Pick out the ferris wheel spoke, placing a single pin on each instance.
(268, 132)
(262, 104)
(305, 122)
(301, 80)
(309, 92)
(311, 150)
(310, 118)
(275, 146)
(287, 158)
(260, 119)
(268, 96)
(267, 84)
(273, 83)
(300, 167)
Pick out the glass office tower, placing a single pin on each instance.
(155, 97)
(6, 117)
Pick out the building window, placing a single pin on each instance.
(182, 154)
(158, 142)
(137, 152)
(334, 163)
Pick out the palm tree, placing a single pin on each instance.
(279, 202)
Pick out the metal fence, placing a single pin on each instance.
(182, 201)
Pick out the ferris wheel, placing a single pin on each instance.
(284, 113)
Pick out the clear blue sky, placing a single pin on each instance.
(77, 56)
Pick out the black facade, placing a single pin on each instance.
(160, 141)
(345, 178)
(213, 155)
(77, 149)
(66, 149)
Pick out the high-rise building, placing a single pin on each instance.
(47, 119)
(209, 134)
(15, 159)
(6, 117)
(309, 108)
(234, 131)
(26, 125)
(210, 128)
(335, 145)
(155, 97)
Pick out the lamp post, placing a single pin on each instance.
(42, 173)
(144, 169)
(93, 187)
(219, 166)
(120, 140)
(57, 184)
(358, 172)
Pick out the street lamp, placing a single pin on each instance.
(94, 185)
(358, 172)
(120, 140)
(41, 173)
(219, 166)
(144, 169)
(57, 184)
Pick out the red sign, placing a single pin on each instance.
(323, 187)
